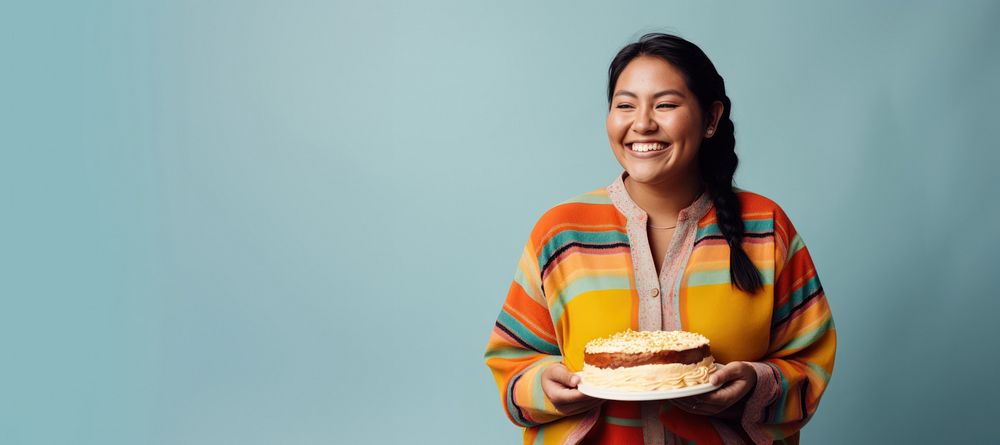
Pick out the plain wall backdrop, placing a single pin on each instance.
(295, 222)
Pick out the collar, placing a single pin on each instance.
(624, 203)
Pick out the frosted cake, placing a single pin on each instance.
(647, 360)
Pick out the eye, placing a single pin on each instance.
(624, 106)
(666, 106)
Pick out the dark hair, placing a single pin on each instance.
(717, 156)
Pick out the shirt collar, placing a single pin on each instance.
(624, 203)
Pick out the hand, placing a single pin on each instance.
(737, 380)
(559, 384)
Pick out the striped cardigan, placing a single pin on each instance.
(586, 271)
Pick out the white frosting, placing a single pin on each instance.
(649, 377)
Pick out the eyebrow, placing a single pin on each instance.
(661, 93)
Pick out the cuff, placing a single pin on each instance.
(527, 398)
(763, 394)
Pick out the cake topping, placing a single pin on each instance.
(646, 341)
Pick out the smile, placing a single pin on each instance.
(643, 147)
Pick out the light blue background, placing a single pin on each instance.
(295, 222)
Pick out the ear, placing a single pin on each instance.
(715, 113)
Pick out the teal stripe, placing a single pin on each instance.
(794, 245)
(795, 299)
(525, 334)
(749, 225)
(758, 225)
(711, 229)
(708, 277)
(587, 284)
(779, 408)
(622, 421)
(819, 371)
(808, 338)
(568, 236)
(721, 276)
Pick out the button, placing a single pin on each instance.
(654, 293)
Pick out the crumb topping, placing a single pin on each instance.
(646, 341)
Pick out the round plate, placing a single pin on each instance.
(663, 394)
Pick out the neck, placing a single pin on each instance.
(663, 201)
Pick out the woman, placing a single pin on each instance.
(668, 245)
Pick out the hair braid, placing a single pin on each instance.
(717, 160)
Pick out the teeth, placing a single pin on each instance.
(648, 146)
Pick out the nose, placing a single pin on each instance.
(644, 122)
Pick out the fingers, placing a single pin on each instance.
(560, 394)
(729, 394)
(559, 384)
(566, 396)
(715, 401)
(735, 382)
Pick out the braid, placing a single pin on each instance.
(717, 160)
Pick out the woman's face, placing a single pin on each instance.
(655, 124)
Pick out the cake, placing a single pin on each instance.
(647, 360)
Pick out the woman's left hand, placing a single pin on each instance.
(736, 378)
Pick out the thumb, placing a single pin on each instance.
(561, 374)
(723, 375)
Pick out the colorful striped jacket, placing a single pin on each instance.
(586, 271)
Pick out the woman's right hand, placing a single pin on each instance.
(559, 384)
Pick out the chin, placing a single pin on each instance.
(646, 177)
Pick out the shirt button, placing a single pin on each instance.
(654, 293)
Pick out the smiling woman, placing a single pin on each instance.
(669, 245)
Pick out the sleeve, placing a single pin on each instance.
(796, 371)
(522, 344)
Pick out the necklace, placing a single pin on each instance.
(661, 228)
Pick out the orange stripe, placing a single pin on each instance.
(529, 312)
(712, 218)
(586, 218)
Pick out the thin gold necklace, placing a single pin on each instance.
(662, 228)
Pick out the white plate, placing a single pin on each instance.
(618, 394)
